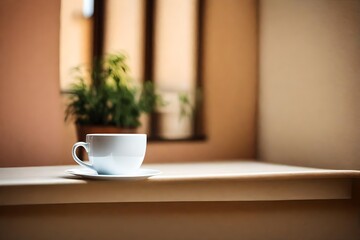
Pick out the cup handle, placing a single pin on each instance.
(80, 162)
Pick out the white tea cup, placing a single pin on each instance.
(113, 154)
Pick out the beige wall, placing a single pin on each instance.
(31, 108)
(310, 86)
(31, 114)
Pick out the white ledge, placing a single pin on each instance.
(215, 181)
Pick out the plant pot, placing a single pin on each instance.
(82, 130)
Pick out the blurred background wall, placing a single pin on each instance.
(310, 82)
(31, 106)
(31, 111)
(309, 55)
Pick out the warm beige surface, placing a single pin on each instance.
(223, 181)
(310, 87)
(245, 170)
(30, 99)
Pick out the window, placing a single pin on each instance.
(163, 41)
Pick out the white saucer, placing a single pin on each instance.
(142, 173)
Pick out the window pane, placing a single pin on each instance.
(175, 64)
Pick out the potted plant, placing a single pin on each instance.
(105, 99)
